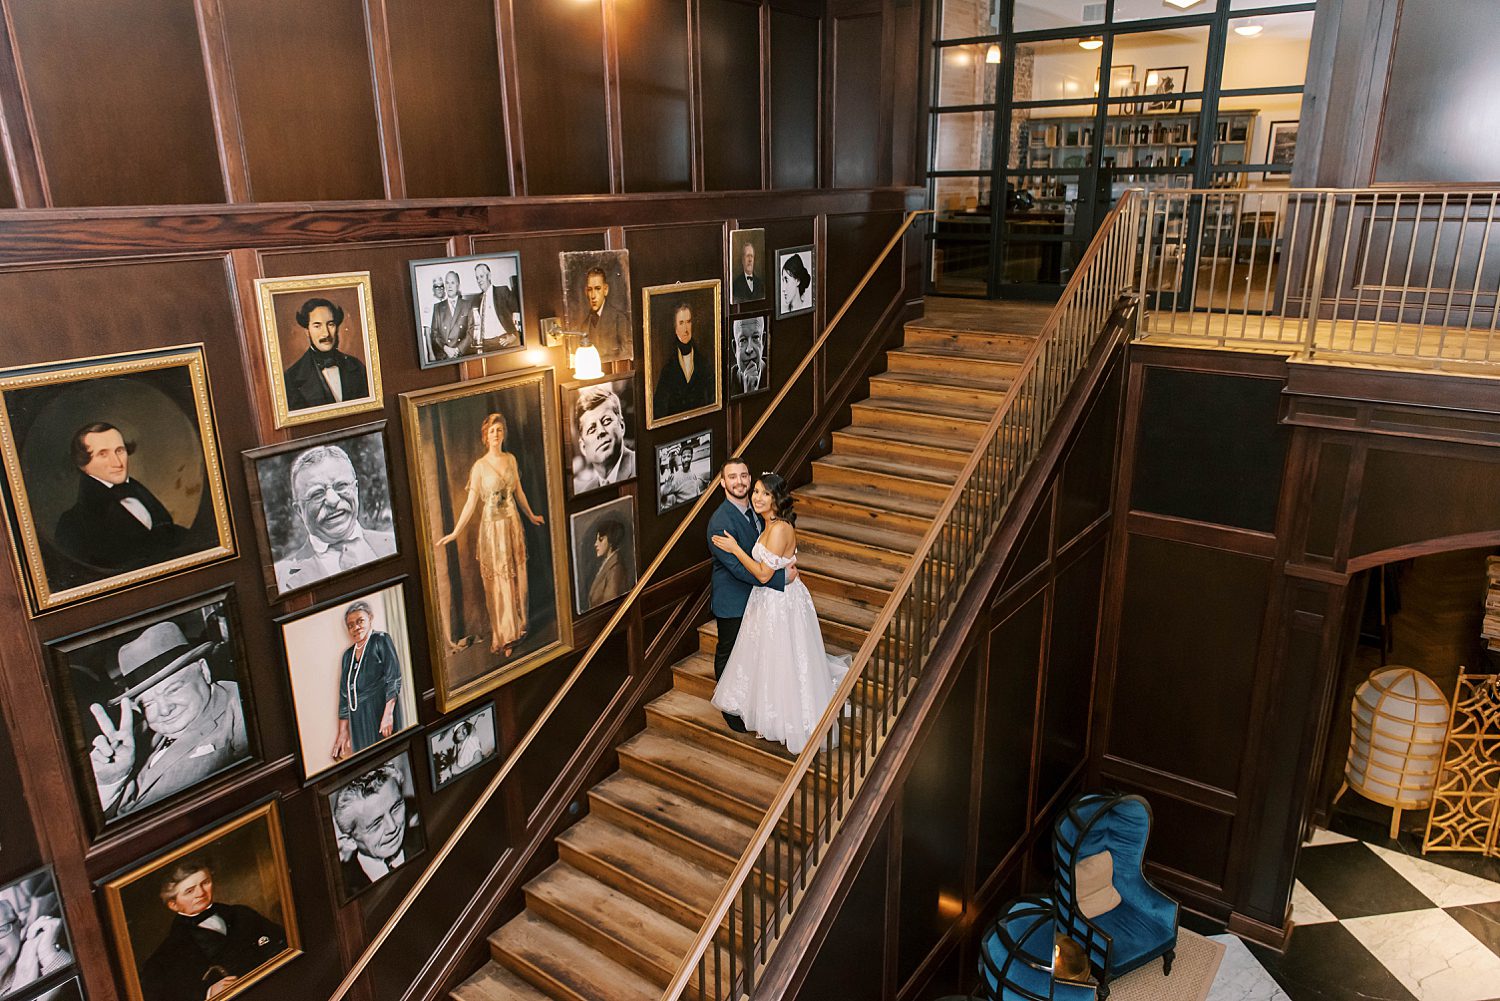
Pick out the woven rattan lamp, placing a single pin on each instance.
(1400, 718)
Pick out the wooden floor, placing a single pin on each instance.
(613, 918)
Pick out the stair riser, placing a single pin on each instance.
(964, 433)
(999, 372)
(751, 813)
(703, 688)
(894, 388)
(536, 976)
(595, 938)
(828, 545)
(1002, 347)
(864, 595)
(668, 839)
(849, 637)
(828, 507)
(896, 451)
(843, 476)
(715, 742)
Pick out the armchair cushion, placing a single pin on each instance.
(1096, 887)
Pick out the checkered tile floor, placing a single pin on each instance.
(1377, 920)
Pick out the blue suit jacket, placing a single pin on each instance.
(731, 581)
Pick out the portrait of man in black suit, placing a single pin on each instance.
(684, 345)
(747, 262)
(477, 310)
(324, 375)
(376, 824)
(495, 310)
(596, 291)
(749, 357)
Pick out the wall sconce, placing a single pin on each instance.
(583, 357)
(1091, 43)
(992, 55)
(1249, 29)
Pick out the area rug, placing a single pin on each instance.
(1192, 974)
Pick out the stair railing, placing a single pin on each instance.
(621, 610)
(742, 928)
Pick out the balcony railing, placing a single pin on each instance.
(746, 922)
(1375, 277)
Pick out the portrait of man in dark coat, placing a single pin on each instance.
(324, 375)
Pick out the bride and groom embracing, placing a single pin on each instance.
(774, 677)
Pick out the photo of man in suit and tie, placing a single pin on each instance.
(596, 292)
(324, 375)
(324, 498)
(477, 308)
(747, 256)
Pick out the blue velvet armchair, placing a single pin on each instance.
(1015, 956)
(1143, 924)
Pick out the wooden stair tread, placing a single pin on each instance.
(932, 408)
(705, 677)
(620, 922)
(877, 537)
(889, 467)
(845, 612)
(841, 568)
(539, 950)
(702, 713)
(633, 862)
(878, 500)
(1003, 355)
(711, 628)
(494, 982)
(721, 834)
(938, 441)
(730, 778)
(981, 383)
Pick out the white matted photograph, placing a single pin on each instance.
(794, 272)
(604, 560)
(684, 469)
(349, 664)
(462, 745)
(467, 307)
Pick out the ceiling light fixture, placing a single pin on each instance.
(1250, 29)
(1183, 4)
(1091, 43)
(992, 55)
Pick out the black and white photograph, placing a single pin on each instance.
(113, 473)
(34, 941)
(69, 990)
(684, 469)
(683, 347)
(598, 432)
(596, 292)
(603, 543)
(232, 880)
(375, 824)
(747, 262)
(322, 506)
(318, 332)
(749, 356)
(1162, 85)
(349, 663)
(467, 307)
(794, 270)
(1281, 143)
(155, 705)
(462, 745)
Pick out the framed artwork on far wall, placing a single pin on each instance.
(239, 869)
(488, 497)
(467, 307)
(747, 262)
(798, 289)
(684, 469)
(321, 506)
(462, 745)
(322, 357)
(348, 662)
(598, 432)
(1281, 143)
(604, 555)
(684, 326)
(749, 356)
(112, 472)
(375, 824)
(38, 944)
(155, 705)
(1161, 82)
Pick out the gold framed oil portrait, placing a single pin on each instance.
(237, 873)
(112, 472)
(684, 346)
(322, 358)
(488, 497)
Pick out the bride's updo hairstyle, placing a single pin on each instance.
(781, 497)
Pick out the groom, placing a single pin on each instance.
(731, 581)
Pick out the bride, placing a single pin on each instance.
(779, 679)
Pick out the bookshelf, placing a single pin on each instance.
(1132, 141)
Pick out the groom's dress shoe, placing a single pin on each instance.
(736, 724)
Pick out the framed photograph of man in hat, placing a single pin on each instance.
(376, 824)
(321, 353)
(462, 745)
(231, 881)
(322, 506)
(467, 307)
(156, 705)
(349, 665)
(34, 944)
(113, 474)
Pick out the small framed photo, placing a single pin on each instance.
(321, 352)
(467, 307)
(1158, 86)
(598, 432)
(113, 473)
(155, 705)
(794, 269)
(684, 325)
(749, 356)
(36, 947)
(233, 880)
(1281, 144)
(69, 990)
(747, 260)
(596, 294)
(349, 664)
(462, 745)
(604, 558)
(684, 469)
(1120, 78)
(375, 823)
(322, 506)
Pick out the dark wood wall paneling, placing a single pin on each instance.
(858, 126)
(795, 98)
(730, 66)
(656, 119)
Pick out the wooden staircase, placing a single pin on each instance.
(613, 918)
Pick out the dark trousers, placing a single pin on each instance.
(729, 631)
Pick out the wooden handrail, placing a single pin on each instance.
(782, 800)
(427, 874)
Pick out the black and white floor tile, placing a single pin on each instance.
(1376, 921)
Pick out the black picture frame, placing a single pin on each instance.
(579, 477)
(348, 878)
(482, 718)
(758, 326)
(37, 905)
(673, 480)
(504, 270)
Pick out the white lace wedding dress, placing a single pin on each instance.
(779, 678)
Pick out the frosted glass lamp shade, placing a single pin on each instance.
(1400, 718)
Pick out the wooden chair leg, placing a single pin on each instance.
(1395, 822)
(1343, 788)
(1166, 962)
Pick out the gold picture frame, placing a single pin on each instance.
(299, 394)
(671, 396)
(132, 899)
(157, 399)
(481, 633)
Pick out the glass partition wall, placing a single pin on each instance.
(1045, 111)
